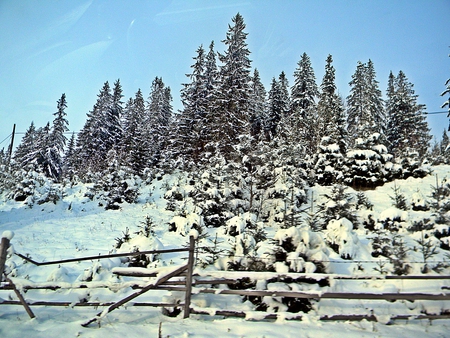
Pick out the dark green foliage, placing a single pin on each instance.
(339, 204)
(125, 238)
(440, 201)
(398, 199)
(146, 227)
(363, 202)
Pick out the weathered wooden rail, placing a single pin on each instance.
(185, 281)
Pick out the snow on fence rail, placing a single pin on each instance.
(203, 282)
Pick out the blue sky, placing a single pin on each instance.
(73, 47)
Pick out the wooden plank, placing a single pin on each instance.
(136, 294)
(135, 274)
(190, 270)
(325, 295)
(337, 317)
(88, 304)
(89, 258)
(21, 299)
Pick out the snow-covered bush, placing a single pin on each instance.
(301, 249)
(368, 163)
(330, 165)
(341, 238)
(393, 219)
(338, 204)
(27, 183)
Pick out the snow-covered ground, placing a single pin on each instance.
(78, 227)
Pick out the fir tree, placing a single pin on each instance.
(94, 140)
(23, 155)
(258, 106)
(367, 157)
(57, 140)
(159, 112)
(70, 158)
(329, 167)
(191, 122)
(304, 94)
(407, 130)
(232, 114)
(114, 116)
(135, 146)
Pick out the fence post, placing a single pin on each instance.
(4, 245)
(187, 301)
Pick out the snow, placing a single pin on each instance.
(51, 232)
(8, 235)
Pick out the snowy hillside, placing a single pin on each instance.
(374, 239)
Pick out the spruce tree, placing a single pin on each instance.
(258, 106)
(189, 142)
(114, 116)
(232, 115)
(94, 140)
(407, 131)
(329, 167)
(70, 159)
(159, 110)
(367, 155)
(57, 140)
(135, 146)
(304, 94)
(23, 155)
(275, 110)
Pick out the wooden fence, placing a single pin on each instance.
(186, 280)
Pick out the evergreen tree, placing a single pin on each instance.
(407, 130)
(275, 110)
(23, 155)
(57, 140)
(114, 116)
(258, 106)
(329, 167)
(231, 119)
(191, 122)
(135, 145)
(211, 75)
(304, 93)
(368, 155)
(94, 139)
(159, 112)
(70, 158)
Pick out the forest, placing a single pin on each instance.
(295, 178)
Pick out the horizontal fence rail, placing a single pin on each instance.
(183, 279)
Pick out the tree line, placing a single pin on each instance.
(362, 140)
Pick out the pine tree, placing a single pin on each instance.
(329, 167)
(275, 110)
(70, 158)
(211, 75)
(94, 140)
(258, 106)
(57, 140)
(231, 118)
(159, 112)
(407, 130)
(23, 155)
(368, 155)
(135, 146)
(304, 93)
(114, 116)
(191, 123)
